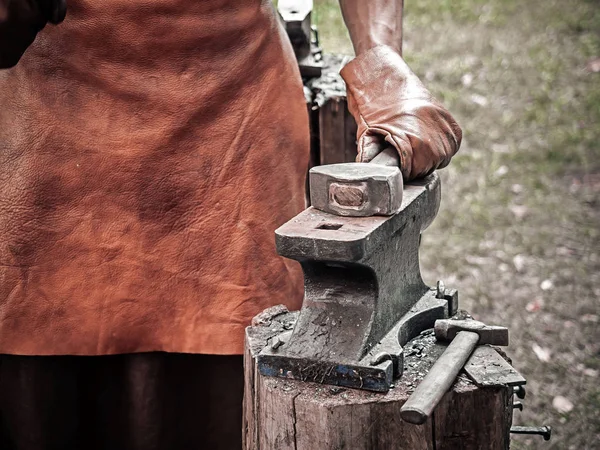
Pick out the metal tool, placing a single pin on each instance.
(465, 336)
(486, 367)
(518, 405)
(296, 16)
(364, 295)
(359, 189)
(544, 431)
(520, 391)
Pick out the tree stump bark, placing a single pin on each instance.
(286, 414)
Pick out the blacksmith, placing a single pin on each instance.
(148, 150)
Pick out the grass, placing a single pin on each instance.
(521, 200)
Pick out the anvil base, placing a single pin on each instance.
(374, 372)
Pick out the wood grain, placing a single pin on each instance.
(286, 414)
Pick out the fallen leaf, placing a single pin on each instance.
(564, 251)
(562, 404)
(546, 285)
(479, 99)
(502, 170)
(542, 353)
(500, 148)
(517, 189)
(519, 262)
(519, 211)
(487, 245)
(593, 65)
(476, 260)
(467, 79)
(590, 372)
(534, 305)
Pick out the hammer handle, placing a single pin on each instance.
(436, 383)
(388, 157)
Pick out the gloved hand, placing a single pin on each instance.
(391, 106)
(20, 22)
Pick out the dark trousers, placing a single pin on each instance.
(146, 401)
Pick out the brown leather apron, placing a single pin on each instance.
(148, 150)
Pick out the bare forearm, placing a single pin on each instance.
(373, 22)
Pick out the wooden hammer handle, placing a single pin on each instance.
(440, 378)
(388, 157)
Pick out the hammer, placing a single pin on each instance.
(464, 335)
(359, 189)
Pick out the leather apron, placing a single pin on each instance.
(148, 150)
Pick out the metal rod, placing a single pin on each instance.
(388, 157)
(436, 383)
(544, 431)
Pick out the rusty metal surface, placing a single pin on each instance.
(376, 371)
(361, 278)
(487, 367)
(544, 431)
(356, 189)
(447, 330)
(317, 235)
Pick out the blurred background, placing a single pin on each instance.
(518, 233)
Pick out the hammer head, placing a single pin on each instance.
(356, 189)
(447, 329)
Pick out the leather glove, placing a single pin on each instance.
(392, 107)
(20, 22)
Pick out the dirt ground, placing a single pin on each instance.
(519, 229)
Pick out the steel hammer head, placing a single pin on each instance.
(447, 329)
(356, 189)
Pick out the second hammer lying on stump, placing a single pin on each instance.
(464, 335)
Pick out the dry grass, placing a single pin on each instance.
(518, 233)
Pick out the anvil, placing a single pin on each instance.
(364, 294)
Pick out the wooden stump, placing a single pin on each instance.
(287, 414)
